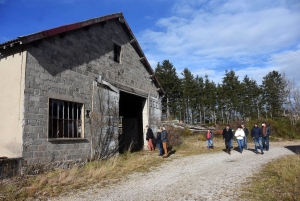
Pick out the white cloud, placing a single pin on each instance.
(209, 36)
(289, 63)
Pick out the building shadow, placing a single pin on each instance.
(294, 148)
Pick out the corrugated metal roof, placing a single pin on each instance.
(62, 29)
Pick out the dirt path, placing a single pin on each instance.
(216, 176)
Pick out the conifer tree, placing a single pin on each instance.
(167, 76)
(189, 94)
(274, 94)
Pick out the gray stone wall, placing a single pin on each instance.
(64, 67)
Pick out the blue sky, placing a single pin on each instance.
(207, 36)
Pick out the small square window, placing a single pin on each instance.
(117, 53)
(65, 119)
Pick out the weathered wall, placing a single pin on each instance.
(12, 72)
(10, 167)
(65, 67)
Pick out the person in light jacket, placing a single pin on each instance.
(164, 140)
(239, 134)
(209, 139)
(246, 131)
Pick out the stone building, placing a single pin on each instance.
(76, 92)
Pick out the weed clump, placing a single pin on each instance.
(278, 180)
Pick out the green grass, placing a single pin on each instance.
(279, 180)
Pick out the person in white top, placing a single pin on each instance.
(239, 134)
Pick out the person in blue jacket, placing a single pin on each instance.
(256, 135)
(158, 142)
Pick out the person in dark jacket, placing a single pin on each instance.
(266, 131)
(149, 138)
(227, 135)
(246, 131)
(256, 135)
(164, 140)
(158, 142)
(209, 139)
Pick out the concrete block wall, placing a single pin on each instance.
(64, 67)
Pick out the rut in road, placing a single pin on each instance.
(215, 176)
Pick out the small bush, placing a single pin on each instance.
(186, 132)
(174, 136)
(202, 137)
(218, 132)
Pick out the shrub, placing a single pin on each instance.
(174, 136)
(202, 137)
(187, 132)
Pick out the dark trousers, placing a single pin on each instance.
(265, 142)
(160, 147)
(227, 144)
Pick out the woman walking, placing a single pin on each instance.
(240, 134)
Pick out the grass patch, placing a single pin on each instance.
(102, 173)
(60, 181)
(196, 144)
(279, 180)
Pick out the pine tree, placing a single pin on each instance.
(199, 98)
(167, 76)
(274, 94)
(189, 94)
(251, 98)
(231, 93)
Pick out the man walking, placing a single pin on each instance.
(266, 131)
(164, 140)
(256, 135)
(246, 131)
(209, 139)
(227, 135)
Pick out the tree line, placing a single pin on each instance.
(197, 99)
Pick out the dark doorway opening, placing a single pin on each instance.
(131, 129)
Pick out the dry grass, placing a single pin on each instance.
(59, 181)
(196, 144)
(102, 173)
(279, 180)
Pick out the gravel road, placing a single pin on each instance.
(215, 176)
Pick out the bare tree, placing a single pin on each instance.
(104, 123)
(292, 100)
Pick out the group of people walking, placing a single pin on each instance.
(260, 137)
(160, 140)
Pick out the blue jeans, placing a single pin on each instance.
(231, 143)
(245, 142)
(257, 142)
(210, 143)
(160, 148)
(241, 144)
(265, 142)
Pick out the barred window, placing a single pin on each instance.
(65, 119)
